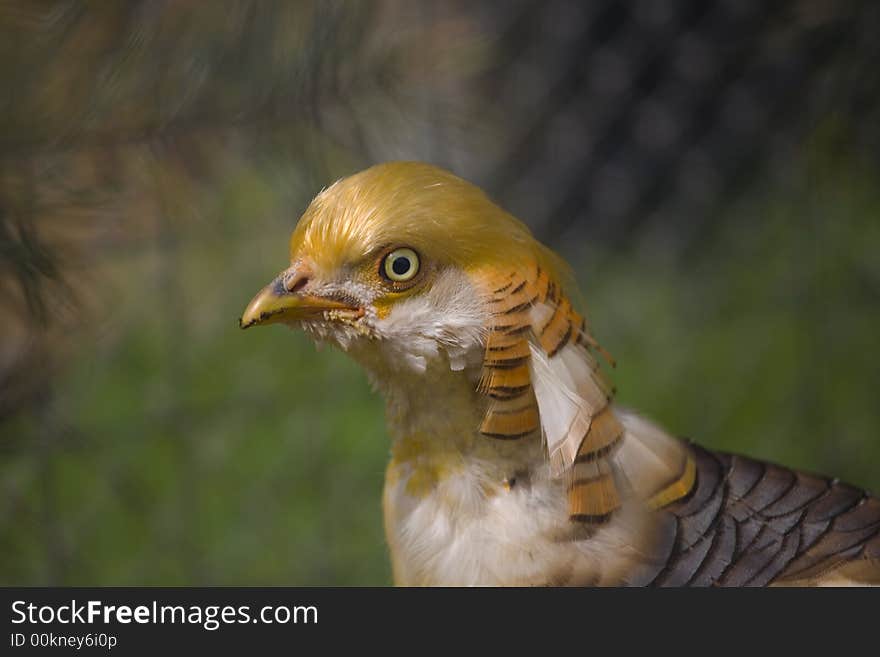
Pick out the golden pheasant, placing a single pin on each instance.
(510, 465)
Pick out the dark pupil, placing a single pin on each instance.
(400, 266)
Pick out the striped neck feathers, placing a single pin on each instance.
(532, 383)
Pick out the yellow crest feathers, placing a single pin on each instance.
(420, 206)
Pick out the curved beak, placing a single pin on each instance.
(280, 302)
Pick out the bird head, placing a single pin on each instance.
(398, 262)
(408, 267)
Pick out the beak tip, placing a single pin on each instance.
(259, 309)
(252, 319)
(257, 315)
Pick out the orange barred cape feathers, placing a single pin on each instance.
(530, 312)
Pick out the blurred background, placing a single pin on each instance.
(709, 167)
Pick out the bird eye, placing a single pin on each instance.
(401, 265)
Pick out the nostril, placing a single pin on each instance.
(296, 277)
(300, 284)
(296, 283)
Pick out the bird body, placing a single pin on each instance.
(511, 464)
